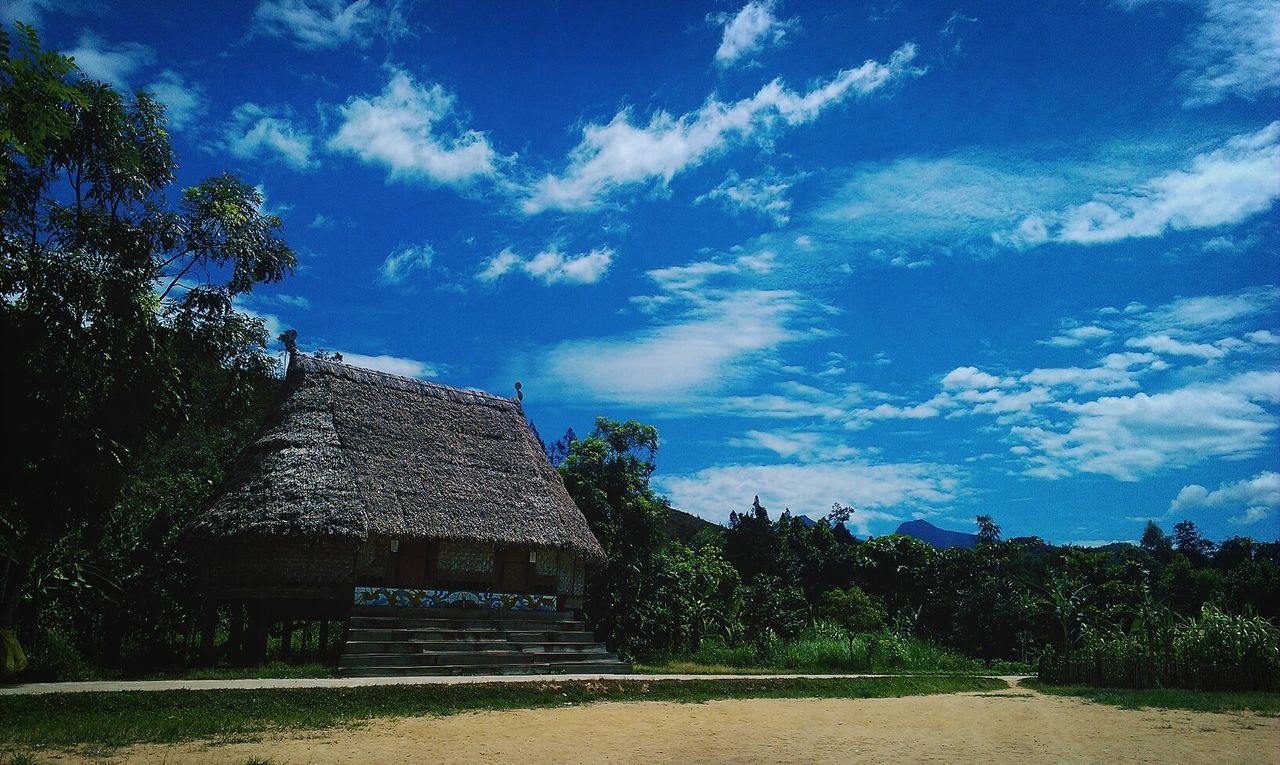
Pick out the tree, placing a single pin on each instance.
(607, 474)
(854, 610)
(1156, 542)
(110, 293)
(988, 531)
(1188, 541)
(751, 543)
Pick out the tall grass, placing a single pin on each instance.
(825, 648)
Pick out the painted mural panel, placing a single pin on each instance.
(407, 597)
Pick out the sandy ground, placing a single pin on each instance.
(1015, 726)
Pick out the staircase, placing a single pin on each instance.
(386, 641)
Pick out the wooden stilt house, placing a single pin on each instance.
(366, 489)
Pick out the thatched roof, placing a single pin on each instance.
(350, 452)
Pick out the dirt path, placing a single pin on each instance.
(1013, 726)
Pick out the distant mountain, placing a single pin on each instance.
(927, 532)
(685, 526)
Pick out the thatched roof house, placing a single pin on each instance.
(367, 480)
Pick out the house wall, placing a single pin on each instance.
(267, 568)
(468, 567)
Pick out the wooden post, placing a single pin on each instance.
(236, 647)
(257, 643)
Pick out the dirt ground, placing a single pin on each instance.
(1015, 726)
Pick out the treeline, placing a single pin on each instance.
(765, 579)
(132, 378)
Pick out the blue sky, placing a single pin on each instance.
(928, 260)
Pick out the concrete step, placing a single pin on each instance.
(434, 658)
(454, 646)
(461, 625)
(563, 668)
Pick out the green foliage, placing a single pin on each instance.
(607, 474)
(771, 610)
(131, 369)
(1215, 650)
(56, 657)
(853, 610)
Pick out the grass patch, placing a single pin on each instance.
(276, 669)
(126, 717)
(1261, 702)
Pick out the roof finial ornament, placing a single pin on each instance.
(519, 393)
(289, 338)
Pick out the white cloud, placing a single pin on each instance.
(257, 133)
(403, 261)
(1211, 313)
(971, 378)
(327, 24)
(112, 63)
(1117, 371)
(620, 153)
(1254, 498)
(550, 266)
(798, 445)
(399, 129)
(876, 491)
(685, 362)
(693, 276)
(1127, 437)
(944, 201)
(1076, 336)
(184, 101)
(395, 365)
(1223, 186)
(266, 208)
(764, 195)
(1234, 52)
(747, 31)
(1167, 345)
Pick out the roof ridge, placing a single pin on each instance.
(401, 382)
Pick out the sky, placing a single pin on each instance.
(927, 260)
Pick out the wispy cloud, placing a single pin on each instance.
(403, 261)
(327, 24)
(1223, 186)
(184, 101)
(685, 360)
(550, 266)
(1234, 50)
(1254, 499)
(404, 129)
(621, 153)
(257, 132)
(763, 195)
(114, 63)
(747, 32)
